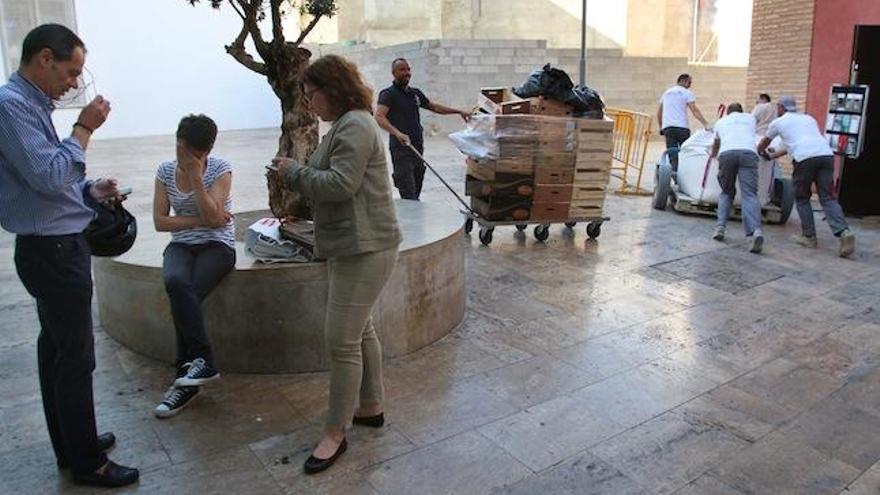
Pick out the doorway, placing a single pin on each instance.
(860, 183)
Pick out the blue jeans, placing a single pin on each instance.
(741, 164)
(820, 170)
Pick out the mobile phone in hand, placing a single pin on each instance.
(125, 191)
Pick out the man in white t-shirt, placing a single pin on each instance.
(764, 113)
(813, 163)
(738, 159)
(673, 118)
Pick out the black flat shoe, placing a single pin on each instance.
(106, 442)
(314, 465)
(113, 476)
(372, 421)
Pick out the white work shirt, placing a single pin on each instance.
(800, 134)
(736, 132)
(675, 104)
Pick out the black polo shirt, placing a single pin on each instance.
(403, 113)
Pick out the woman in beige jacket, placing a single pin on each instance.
(356, 230)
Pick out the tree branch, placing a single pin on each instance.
(277, 29)
(253, 26)
(237, 10)
(305, 32)
(246, 59)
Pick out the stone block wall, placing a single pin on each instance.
(453, 71)
(782, 34)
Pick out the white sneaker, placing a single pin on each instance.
(847, 243)
(719, 233)
(808, 242)
(757, 242)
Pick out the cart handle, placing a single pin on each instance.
(463, 202)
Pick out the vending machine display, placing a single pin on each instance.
(845, 122)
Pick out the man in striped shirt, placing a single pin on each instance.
(45, 199)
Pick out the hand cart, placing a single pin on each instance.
(487, 227)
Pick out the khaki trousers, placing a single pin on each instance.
(355, 283)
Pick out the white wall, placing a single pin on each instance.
(159, 60)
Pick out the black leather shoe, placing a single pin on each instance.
(314, 465)
(372, 421)
(114, 475)
(106, 442)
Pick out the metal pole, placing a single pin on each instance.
(694, 29)
(583, 61)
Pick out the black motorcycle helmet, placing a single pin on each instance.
(113, 230)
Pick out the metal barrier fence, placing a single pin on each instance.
(631, 133)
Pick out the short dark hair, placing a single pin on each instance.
(684, 77)
(341, 82)
(765, 97)
(198, 131)
(57, 38)
(398, 59)
(734, 108)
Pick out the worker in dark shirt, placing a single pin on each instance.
(398, 113)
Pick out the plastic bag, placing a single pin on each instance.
(478, 139)
(556, 85)
(549, 82)
(263, 241)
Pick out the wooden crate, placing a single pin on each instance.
(481, 170)
(519, 165)
(545, 175)
(593, 160)
(517, 189)
(561, 160)
(502, 101)
(590, 177)
(587, 193)
(594, 141)
(552, 193)
(494, 209)
(550, 212)
(584, 211)
(546, 106)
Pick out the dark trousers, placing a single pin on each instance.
(190, 273)
(818, 170)
(56, 271)
(409, 171)
(675, 136)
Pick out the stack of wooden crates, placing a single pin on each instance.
(550, 166)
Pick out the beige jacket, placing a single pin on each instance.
(347, 181)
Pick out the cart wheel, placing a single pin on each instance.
(521, 227)
(570, 224)
(468, 225)
(786, 201)
(662, 183)
(594, 229)
(542, 232)
(486, 235)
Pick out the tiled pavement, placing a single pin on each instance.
(653, 360)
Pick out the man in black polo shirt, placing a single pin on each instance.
(398, 113)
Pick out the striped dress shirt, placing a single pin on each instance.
(43, 188)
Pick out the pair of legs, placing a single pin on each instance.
(409, 171)
(56, 271)
(675, 136)
(355, 283)
(742, 165)
(819, 171)
(190, 273)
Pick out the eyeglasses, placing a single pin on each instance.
(307, 95)
(79, 97)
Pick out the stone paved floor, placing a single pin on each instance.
(652, 361)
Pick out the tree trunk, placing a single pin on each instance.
(299, 127)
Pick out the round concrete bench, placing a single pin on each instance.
(269, 318)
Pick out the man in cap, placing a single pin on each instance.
(813, 164)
